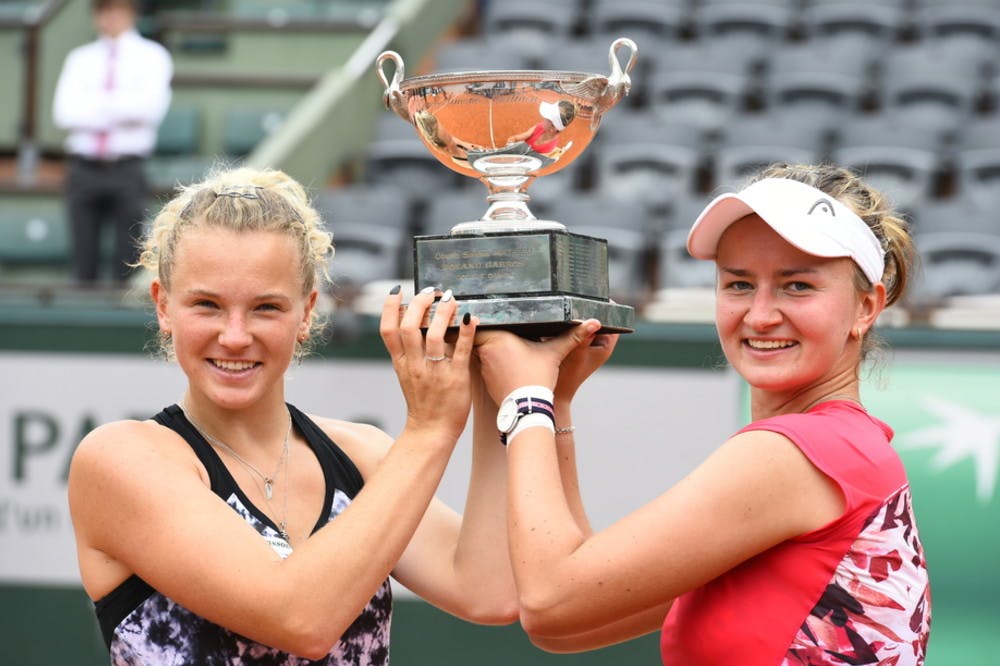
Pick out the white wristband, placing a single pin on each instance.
(531, 421)
(542, 392)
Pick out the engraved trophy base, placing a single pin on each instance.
(536, 282)
(538, 317)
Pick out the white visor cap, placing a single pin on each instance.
(550, 111)
(808, 218)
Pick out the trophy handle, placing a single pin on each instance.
(607, 91)
(619, 81)
(619, 78)
(393, 97)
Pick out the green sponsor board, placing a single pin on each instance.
(946, 416)
(947, 423)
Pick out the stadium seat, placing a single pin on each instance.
(748, 143)
(181, 131)
(638, 125)
(365, 252)
(588, 53)
(528, 26)
(707, 56)
(815, 81)
(904, 162)
(747, 30)
(276, 12)
(594, 211)
(677, 268)
(643, 157)
(684, 210)
(645, 21)
(245, 127)
(565, 182)
(449, 208)
(371, 232)
(929, 90)
(34, 241)
(869, 28)
(963, 28)
(177, 157)
(959, 246)
(371, 228)
(698, 97)
(397, 157)
(166, 172)
(977, 162)
(16, 10)
(684, 286)
(362, 203)
(478, 54)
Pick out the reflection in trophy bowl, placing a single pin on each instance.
(502, 124)
(507, 127)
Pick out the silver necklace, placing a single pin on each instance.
(268, 489)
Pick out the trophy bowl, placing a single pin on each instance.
(507, 128)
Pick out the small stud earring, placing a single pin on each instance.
(858, 331)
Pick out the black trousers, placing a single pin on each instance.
(98, 192)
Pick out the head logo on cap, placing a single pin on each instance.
(827, 207)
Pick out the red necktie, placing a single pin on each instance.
(109, 84)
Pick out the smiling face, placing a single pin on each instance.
(235, 309)
(787, 320)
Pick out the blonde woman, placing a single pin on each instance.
(234, 528)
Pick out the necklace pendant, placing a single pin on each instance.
(268, 490)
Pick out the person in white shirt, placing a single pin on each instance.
(111, 96)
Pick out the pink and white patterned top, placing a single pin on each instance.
(855, 591)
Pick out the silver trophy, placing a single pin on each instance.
(507, 128)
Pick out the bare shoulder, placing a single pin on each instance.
(363, 443)
(761, 449)
(124, 440)
(767, 453)
(106, 440)
(116, 431)
(781, 480)
(761, 458)
(129, 452)
(123, 479)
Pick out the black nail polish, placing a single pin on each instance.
(395, 290)
(466, 318)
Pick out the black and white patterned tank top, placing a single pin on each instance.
(141, 626)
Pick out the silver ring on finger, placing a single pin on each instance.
(435, 359)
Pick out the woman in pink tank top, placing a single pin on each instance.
(794, 542)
